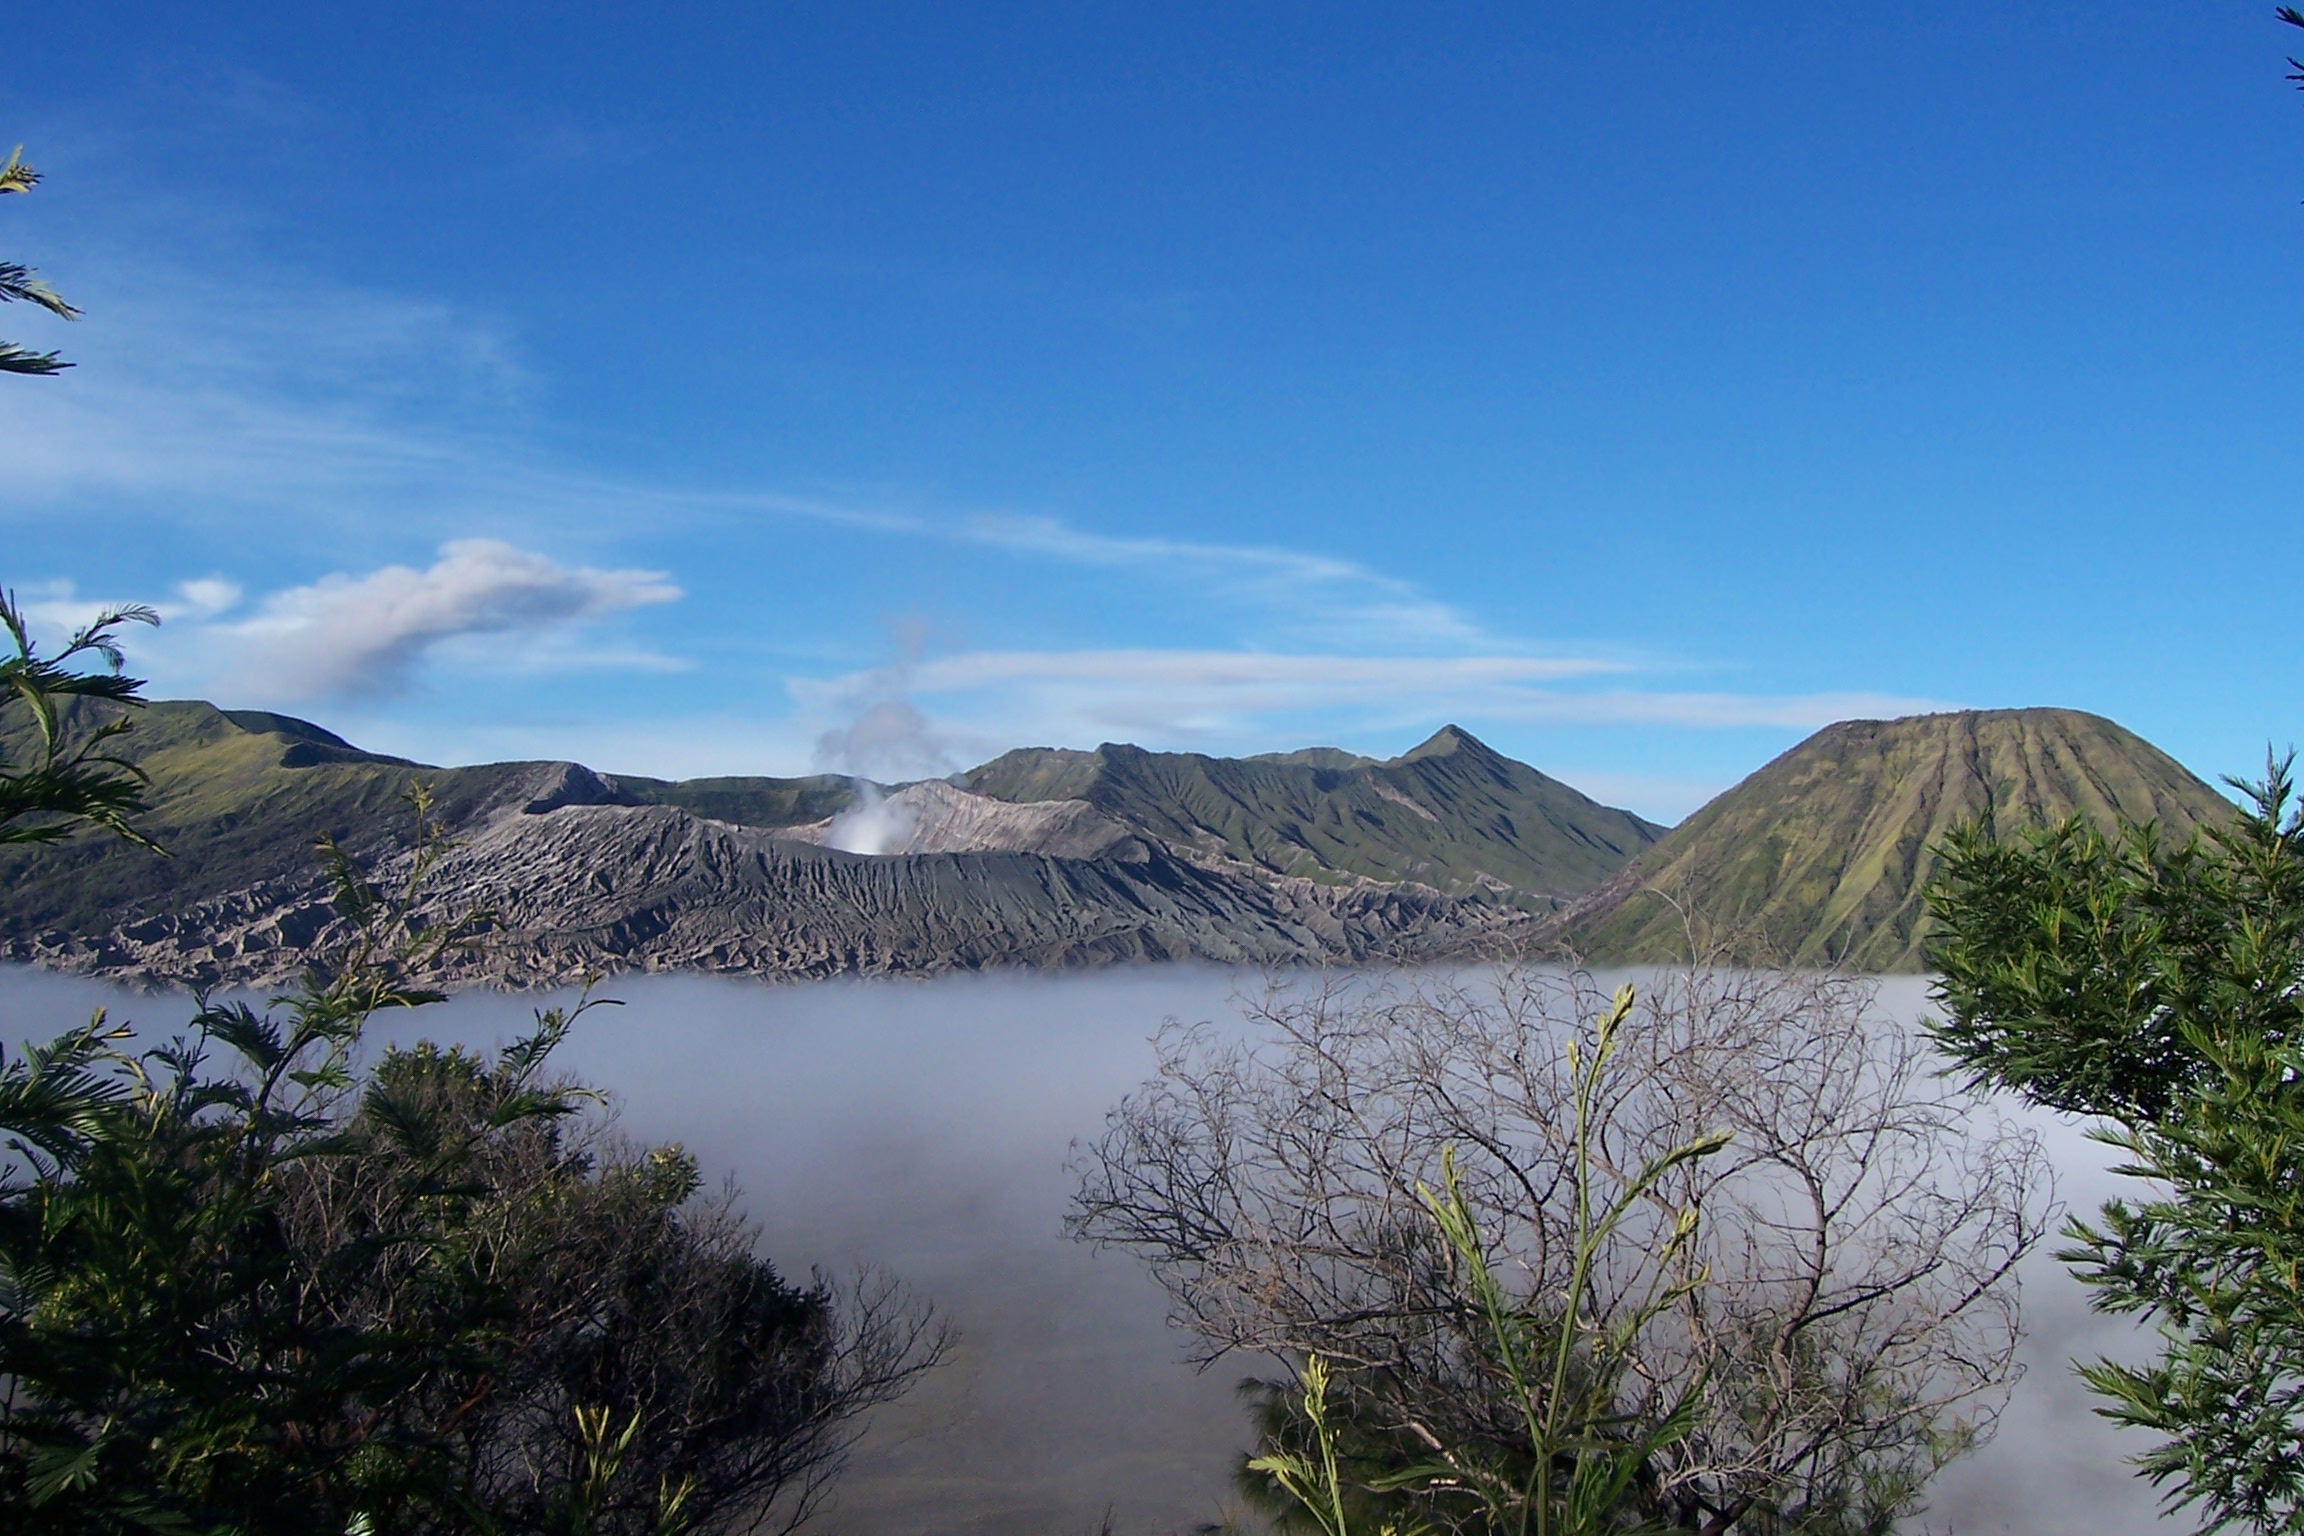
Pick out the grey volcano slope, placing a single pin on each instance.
(1824, 855)
(1452, 814)
(591, 873)
(601, 889)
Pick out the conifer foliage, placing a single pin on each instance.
(19, 282)
(2159, 990)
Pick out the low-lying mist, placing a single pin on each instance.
(923, 1128)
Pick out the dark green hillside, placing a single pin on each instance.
(1824, 854)
(1031, 774)
(1316, 757)
(1451, 814)
(239, 796)
(748, 802)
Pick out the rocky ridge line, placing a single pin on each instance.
(583, 884)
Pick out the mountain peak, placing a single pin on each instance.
(1452, 815)
(1444, 741)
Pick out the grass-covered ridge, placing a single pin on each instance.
(1824, 855)
(1452, 813)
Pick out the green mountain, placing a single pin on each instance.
(1823, 855)
(745, 801)
(1452, 814)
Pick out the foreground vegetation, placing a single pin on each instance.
(2159, 991)
(252, 1280)
(1739, 1255)
(20, 284)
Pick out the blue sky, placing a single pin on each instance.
(677, 387)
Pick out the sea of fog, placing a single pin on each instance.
(923, 1128)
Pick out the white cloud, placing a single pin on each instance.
(55, 609)
(203, 598)
(351, 635)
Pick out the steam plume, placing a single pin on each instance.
(889, 736)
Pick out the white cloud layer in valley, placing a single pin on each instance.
(923, 1126)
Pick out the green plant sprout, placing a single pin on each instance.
(1563, 1368)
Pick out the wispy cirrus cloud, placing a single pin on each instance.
(1319, 594)
(333, 427)
(1253, 674)
(332, 413)
(341, 416)
(321, 398)
(1231, 699)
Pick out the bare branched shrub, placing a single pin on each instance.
(1852, 1321)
